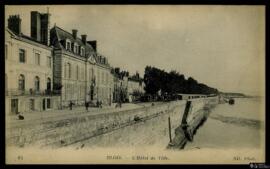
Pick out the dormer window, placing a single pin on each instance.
(82, 51)
(76, 48)
(68, 45)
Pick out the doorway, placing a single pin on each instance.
(14, 106)
(48, 103)
(44, 104)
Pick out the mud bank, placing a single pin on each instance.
(195, 115)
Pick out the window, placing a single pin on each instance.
(6, 83)
(107, 78)
(82, 51)
(36, 83)
(49, 61)
(6, 51)
(102, 77)
(49, 84)
(77, 72)
(21, 82)
(68, 46)
(76, 48)
(14, 106)
(37, 58)
(82, 73)
(65, 91)
(22, 56)
(69, 70)
(98, 77)
(65, 70)
(90, 74)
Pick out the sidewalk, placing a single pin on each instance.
(65, 113)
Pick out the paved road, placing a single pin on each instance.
(54, 115)
(66, 113)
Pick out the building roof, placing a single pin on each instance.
(58, 37)
(26, 38)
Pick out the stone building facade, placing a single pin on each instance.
(120, 88)
(135, 88)
(53, 67)
(28, 71)
(80, 72)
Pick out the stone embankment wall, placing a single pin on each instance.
(197, 114)
(62, 132)
(59, 132)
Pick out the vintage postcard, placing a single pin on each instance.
(135, 84)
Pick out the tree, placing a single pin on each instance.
(172, 83)
(151, 80)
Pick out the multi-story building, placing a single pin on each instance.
(135, 87)
(53, 67)
(120, 87)
(80, 72)
(116, 89)
(28, 67)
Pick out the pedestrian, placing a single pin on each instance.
(97, 103)
(100, 104)
(70, 105)
(86, 105)
(120, 104)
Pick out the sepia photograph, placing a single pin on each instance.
(134, 84)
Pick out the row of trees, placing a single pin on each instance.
(119, 73)
(159, 81)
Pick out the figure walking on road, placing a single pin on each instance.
(86, 105)
(70, 105)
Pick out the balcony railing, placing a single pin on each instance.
(16, 92)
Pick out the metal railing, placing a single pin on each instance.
(17, 92)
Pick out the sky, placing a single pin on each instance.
(221, 46)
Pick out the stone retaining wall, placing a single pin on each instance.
(70, 130)
(73, 129)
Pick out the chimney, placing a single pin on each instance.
(40, 26)
(93, 44)
(45, 28)
(35, 25)
(74, 33)
(14, 24)
(84, 38)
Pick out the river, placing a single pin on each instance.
(237, 128)
(241, 125)
(231, 134)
